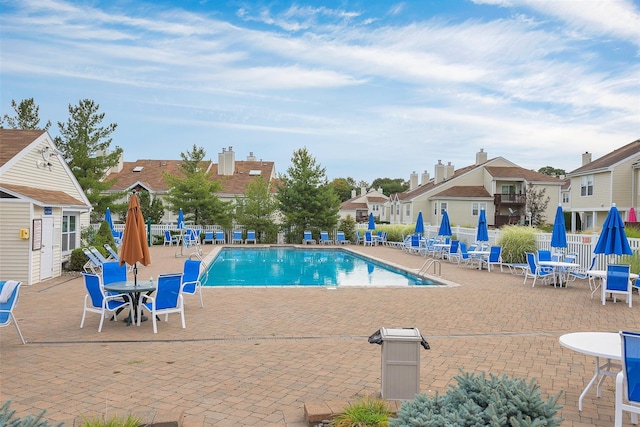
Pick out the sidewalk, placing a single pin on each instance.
(254, 357)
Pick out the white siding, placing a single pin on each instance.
(16, 252)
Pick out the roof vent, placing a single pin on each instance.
(255, 172)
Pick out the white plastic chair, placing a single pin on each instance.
(8, 300)
(628, 379)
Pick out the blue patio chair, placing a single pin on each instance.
(191, 278)
(308, 238)
(98, 301)
(324, 238)
(93, 265)
(113, 255)
(112, 272)
(462, 256)
(117, 237)
(617, 282)
(220, 237)
(167, 299)
(237, 237)
(452, 250)
(9, 292)
(358, 238)
(628, 379)
(340, 239)
(582, 274)
(368, 239)
(251, 237)
(544, 255)
(494, 258)
(208, 237)
(534, 271)
(416, 245)
(169, 239)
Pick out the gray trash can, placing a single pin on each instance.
(400, 363)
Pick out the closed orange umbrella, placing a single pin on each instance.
(134, 247)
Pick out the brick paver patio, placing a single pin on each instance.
(253, 357)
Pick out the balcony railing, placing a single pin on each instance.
(511, 199)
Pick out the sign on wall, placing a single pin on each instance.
(36, 235)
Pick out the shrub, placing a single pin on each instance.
(515, 241)
(479, 401)
(115, 421)
(366, 412)
(77, 260)
(7, 418)
(348, 227)
(633, 261)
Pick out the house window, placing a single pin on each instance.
(565, 197)
(586, 185)
(508, 189)
(374, 208)
(398, 209)
(69, 232)
(443, 207)
(435, 208)
(477, 207)
(382, 211)
(408, 212)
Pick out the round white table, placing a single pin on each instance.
(597, 344)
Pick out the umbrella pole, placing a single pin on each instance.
(135, 274)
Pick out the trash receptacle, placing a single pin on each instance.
(400, 363)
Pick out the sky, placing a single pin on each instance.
(372, 89)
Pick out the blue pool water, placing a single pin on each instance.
(302, 267)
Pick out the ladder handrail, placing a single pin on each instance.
(437, 267)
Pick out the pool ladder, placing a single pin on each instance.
(437, 267)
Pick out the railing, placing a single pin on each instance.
(514, 199)
(437, 267)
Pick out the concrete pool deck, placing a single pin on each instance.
(255, 356)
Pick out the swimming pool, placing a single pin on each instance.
(289, 266)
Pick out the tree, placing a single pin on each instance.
(196, 192)
(306, 199)
(257, 209)
(27, 116)
(551, 171)
(343, 187)
(536, 204)
(390, 185)
(84, 144)
(153, 209)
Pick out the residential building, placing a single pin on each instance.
(42, 207)
(359, 206)
(234, 176)
(597, 184)
(496, 185)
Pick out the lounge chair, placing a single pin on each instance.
(98, 255)
(462, 256)
(308, 238)
(167, 299)
(340, 239)
(628, 379)
(237, 237)
(251, 237)
(93, 265)
(324, 238)
(98, 301)
(368, 239)
(113, 255)
(451, 251)
(358, 238)
(208, 237)
(169, 239)
(9, 292)
(220, 237)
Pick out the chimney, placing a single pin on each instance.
(481, 157)
(425, 178)
(449, 171)
(413, 180)
(586, 158)
(380, 190)
(363, 191)
(230, 162)
(353, 193)
(221, 159)
(251, 157)
(439, 172)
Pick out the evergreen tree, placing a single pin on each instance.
(196, 193)
(153, 209)
(84, 144)
(257, 209)
(305, 197)
(27, 116)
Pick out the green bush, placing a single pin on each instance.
(348, 227)
(130, 421)
(366, 412)
(515, 241)
(7, 418)
(479, 401)
(77, 260)
(633, 261)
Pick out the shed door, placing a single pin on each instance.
(46, 252)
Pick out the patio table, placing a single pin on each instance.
(478, 255)
(134, 291)
(558, 268)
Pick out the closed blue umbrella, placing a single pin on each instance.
(372, 222)
(559, 233)
(107, 217)
(482, 234)
(445, 227)
(613, 239)
(419, 224)
(180, 219)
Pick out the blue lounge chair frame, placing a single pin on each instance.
(208, 237)
(324, 238)
(237, 237)
(219, 239)
(308, 239)
(251, 237)
(340, 238)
